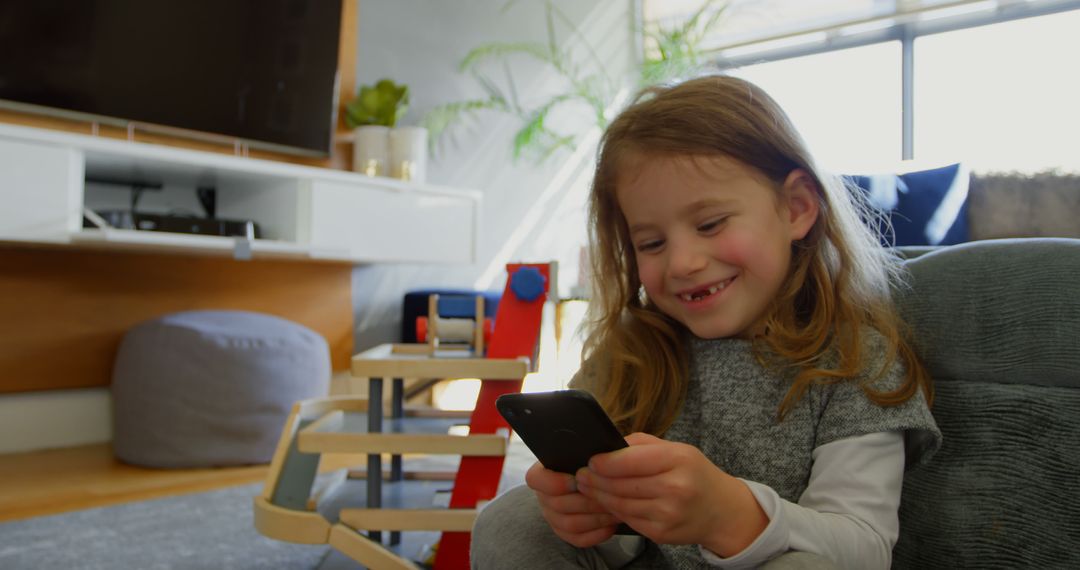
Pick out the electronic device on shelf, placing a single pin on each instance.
(132, 219)
(176, 223)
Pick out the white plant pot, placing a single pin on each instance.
(371, 150)
(408, 153)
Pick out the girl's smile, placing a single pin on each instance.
(701, 295)
(712, 238)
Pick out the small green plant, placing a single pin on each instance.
(381, 104)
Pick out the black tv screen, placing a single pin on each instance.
(264, 71)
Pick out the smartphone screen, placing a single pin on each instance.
(563, 428)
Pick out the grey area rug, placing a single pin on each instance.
(212, 530)
(196, 531)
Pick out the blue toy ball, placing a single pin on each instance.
(527, 283)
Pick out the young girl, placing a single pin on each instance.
(743, 336)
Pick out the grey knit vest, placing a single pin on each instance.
(730, 414)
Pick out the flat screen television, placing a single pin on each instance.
(261, 71)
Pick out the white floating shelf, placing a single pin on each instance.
(304, 212)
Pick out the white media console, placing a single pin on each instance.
(303, 212)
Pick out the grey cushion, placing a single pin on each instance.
(998, 311)
(1008, 205)
(211, 388)
(998, 325)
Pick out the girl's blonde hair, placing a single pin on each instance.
(838, 284)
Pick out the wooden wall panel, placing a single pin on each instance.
(63, 312)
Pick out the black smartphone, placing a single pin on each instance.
(563, 428)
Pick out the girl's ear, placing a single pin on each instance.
(801, 202)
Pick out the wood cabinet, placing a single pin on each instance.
(68, 292)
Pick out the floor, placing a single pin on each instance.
(47, 482)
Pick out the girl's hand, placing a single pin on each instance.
(574, 518)
(671, 493)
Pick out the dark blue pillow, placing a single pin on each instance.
(926, 207)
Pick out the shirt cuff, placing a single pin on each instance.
(772, 542)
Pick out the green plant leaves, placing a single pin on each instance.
(535, 136)
(382, 104)
(675, 52)
(492, 65)
(501, 50)
(672, 52)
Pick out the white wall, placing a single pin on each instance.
(530, 212)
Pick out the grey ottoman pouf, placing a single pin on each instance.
(212, 388)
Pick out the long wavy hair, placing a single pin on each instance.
(837, 287)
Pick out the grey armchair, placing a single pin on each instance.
(998, 325)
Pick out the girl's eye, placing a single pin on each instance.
(711, 225)
(651, 245)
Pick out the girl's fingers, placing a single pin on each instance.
(574, 503)
(549, 482)
(653, 519)
(589, 484)
(640, 438)
(629, 509)
(581, 524)
(647, 455)
(581, 530)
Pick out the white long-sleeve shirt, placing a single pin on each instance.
(848, 512)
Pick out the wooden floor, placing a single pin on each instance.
(54, 481)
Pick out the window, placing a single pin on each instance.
(846, 104)
(868, 82)
(1004, 95)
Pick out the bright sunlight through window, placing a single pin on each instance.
(1002, 97)
(846, 103)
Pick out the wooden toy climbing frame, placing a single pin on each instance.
(289, 507)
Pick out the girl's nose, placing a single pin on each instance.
(686, 259)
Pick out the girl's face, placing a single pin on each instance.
(712, 238)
